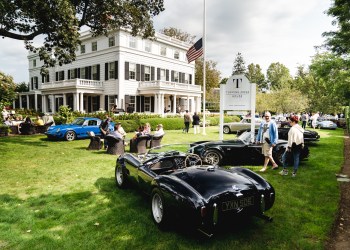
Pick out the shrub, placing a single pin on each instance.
(4, 129)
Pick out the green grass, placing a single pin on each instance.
(57, 195)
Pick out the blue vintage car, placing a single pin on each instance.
(77, 129)
(326, 124)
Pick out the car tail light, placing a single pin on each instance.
(203, 211)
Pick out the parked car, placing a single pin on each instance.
(242, 125)
(281, 121)
(78, 129)
(309, 136)
(203, 196)
(326, 125)
(239, 151)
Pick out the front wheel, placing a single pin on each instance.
(120, 177)
(279, 157)
(212, 157)
(227, 130)
(159, 211)
(70, 136)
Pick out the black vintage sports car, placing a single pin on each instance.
(309, 136)
(204, 196)
(239, 151)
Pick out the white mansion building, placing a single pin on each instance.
(150, 75)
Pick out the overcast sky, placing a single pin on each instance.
(264, 31)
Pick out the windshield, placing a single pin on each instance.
(245, 137)
(78, 121)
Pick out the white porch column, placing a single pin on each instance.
(81, 106)
(20, 101)
(53, 104)
(36, 101)
(27, 96)
(102, 102)
(43, 109)
(162, 105)
(174, 104)
(156, 103)
(14, 104)
(188, 104)
(64, 99)
(75, 106)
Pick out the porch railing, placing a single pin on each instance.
(169, 85)
(93, 84)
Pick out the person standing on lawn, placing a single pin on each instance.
(268, 136)
(195, 122)
(295, 145)
(187, 120)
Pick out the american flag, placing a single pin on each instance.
(195, 51)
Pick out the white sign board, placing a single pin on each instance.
(237, 93)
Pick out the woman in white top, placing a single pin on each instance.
(295, 145)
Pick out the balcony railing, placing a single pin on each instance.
(91, 84)
(169, 86)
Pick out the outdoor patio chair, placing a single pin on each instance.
(155, 141)
(95, 142)
(26, 129)
(115, 146)
(138, 145)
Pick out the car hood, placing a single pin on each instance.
(64, 126)
(212, 181)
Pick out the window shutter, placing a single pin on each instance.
(167, 75)
(86, 73)
(89, 74)
(126, 76)
(180, 77)
(138, 66)
(56, 76)
(47, 78)
(36, 82)
(106, 71)
(89, 104)
(42, 78)
(190, 79)
(98, 72)
(63, 75)
(138, 101)
(32, 82)
(68, 74)
(142, 103)
(152, 73)
(106, 102)
(142, 72)
(172, 75)
(152, 103)
(158, 73)
(116, 69)
(78, 73)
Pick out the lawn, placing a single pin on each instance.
(58, 195)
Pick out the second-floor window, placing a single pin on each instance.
(147, 73)
(34, 63)
(60, 75)
(147, 104)
(73, 74)
(82, 48)
(94, 46)
(94, 72)
(162, 75)
(111, 41)
(132, 71)
(111, 70)
(176, 76)
(187, 78)
(83, 73)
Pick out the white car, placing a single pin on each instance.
(244, 124)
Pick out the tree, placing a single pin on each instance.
(338, 41)
(178, 34)
(278, 76)
(22, 87)
(212, 75)
(59, 22)
(255, 75)
(7, 90)
(238, 65)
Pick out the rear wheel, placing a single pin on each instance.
(212, 157)
(70, 136)
(279, 157)
(227, 130)
(159, 210)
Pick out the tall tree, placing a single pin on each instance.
(338, 41)
(278, 76)
(22, 87)
(7, 90)
(255, 75)
(59, 22)
(212, 75)
(178, 34)
(238, 65)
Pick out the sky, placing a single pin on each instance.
(263, 31)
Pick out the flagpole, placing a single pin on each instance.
(204, 70)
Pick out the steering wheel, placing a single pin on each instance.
(192, 159)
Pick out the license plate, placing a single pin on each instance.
(235, 204)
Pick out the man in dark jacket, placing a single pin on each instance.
(195, 122)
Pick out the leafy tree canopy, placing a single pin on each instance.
(278, 76)
(212, 75)
(178, 34)
(22, 87)
(238, 65)
(255, 75)
(59, 22)
(7, 90)
(338, 41)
